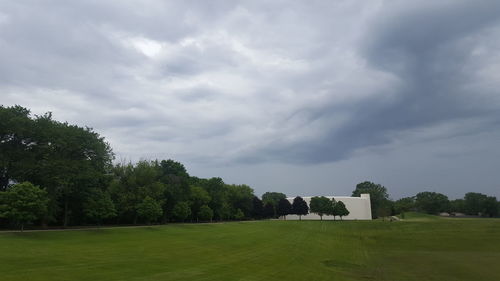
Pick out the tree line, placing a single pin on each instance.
(56, 174)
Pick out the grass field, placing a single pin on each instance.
(419, 248)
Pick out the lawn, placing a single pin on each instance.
(418, 248)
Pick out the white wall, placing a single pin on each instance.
(359, 208)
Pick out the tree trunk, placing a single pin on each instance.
(22, 227)
(300, 217)
(65, 224)
(321, 217)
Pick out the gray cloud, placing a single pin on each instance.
(254, 84)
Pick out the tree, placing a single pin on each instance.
(320, 205)
(269, 211)
(457, 206)
(149, 210)
(404, 205)
(181, 211)
(490, 207)
(431, 202)
(474, 203)
(198, 197)
(299, 207)
(205, 213)
(273, 198)
(257, 208)
(23, 203)
(284, 208)
(333, 210)
(99, 206)
(341, 209)
(378, 194)
(239, 215)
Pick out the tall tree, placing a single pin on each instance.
(23, 203)
(320, 205)
(284, 208)
(273, 198)
(205, 213)
(181, 211)
(198, 198)
(378, 194)
(269, 211)
(299, 207)
(333, 211)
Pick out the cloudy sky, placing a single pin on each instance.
(301, 97)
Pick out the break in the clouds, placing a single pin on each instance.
(265, 87)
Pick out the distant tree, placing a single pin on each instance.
(149, 210)
(341, 209)
(23, 203)
(284, 208)
(198, 198)
(378, 194)
(205, 213)
(404, 205)
(269, 211)
(299, 207)
(320, 205)
(474, 203)
(490, 207)
(333, 210)
(181, 211)
(273, 198)
(257, 208)
(431, 202)
(457, 206)
(239, 215)
(99, 206)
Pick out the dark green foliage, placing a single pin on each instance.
(269, 211)
(273, 198)
(257, 208)
(99, 206)
(457, 206)
(321, 206)
(205, 213)
(23, 203)
(431, 202)
(404, 205)
(378, 195)
(284, 208)
(341, 210)
(149, 210)
(299, 207)
(181, 211)
(239, 215)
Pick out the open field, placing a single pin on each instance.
(418, 248)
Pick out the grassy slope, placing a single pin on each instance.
(434, 249)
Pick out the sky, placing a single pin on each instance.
(301, 97)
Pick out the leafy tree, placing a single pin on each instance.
(240, 197)
(205, 213)
(257, 208)
(457, 206)
(474, 203)
(333, 210)
(23, 203)
(341, 209)
(99, 206)
(198, 198)
(269, 211)
(299, 207)
(378, 194)
(284, 208)
(273, 198)
(149, 210)
(404, 205)
(490, 207)
(321, 206)
(239, 215)
(431, 202)
(181, 211)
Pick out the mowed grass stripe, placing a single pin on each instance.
(420, 248)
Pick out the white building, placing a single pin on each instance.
(359, 208)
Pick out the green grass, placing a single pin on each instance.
(417, 248)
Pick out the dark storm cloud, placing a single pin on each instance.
(251, 81)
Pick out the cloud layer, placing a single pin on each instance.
(253, 82)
